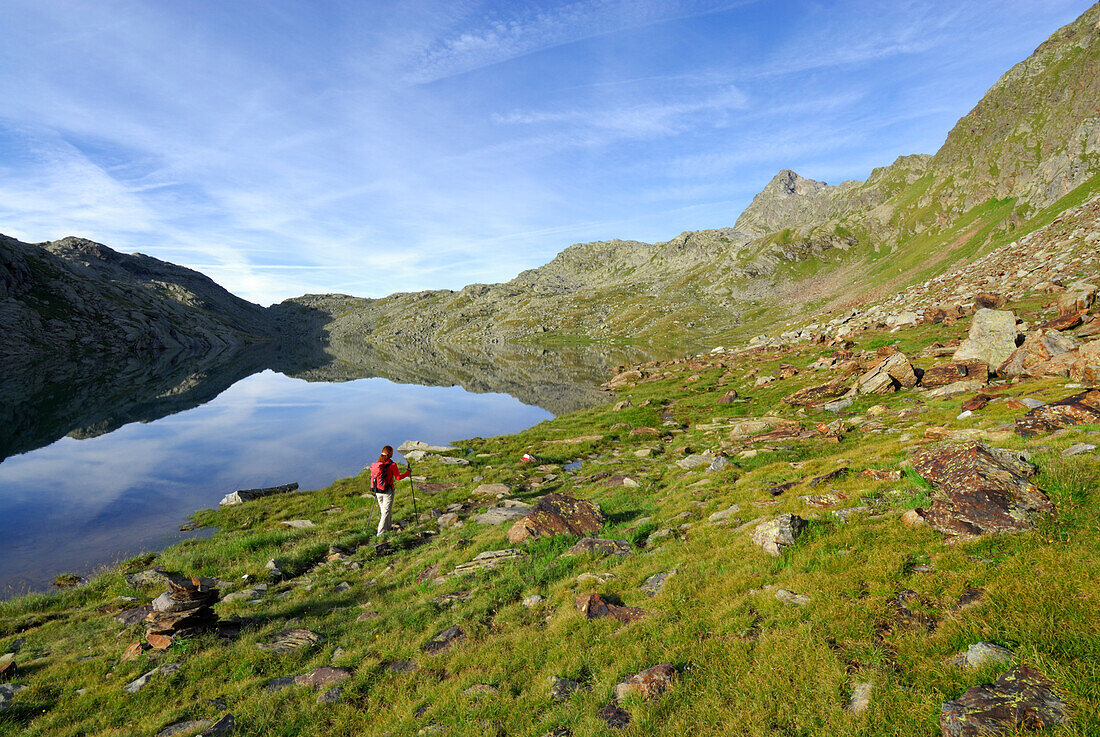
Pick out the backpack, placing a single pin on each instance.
(383, 472)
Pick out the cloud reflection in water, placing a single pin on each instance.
(77, 504)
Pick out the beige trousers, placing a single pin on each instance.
(385, 506)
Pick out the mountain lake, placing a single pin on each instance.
(76, 505)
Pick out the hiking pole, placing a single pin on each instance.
(416, 518)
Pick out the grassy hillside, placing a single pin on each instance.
(885, 604)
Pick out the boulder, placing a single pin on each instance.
(1079, 409)
(1040, 346)
(1065, 322)
(557, 514)
(1021, 699)
(7, 693)
(1078, 296)
(891, 373)
(246, 495)
(647, 684)
(600, 547)
(778, 534)
(953, 390)
(954, 372)
(992, 338)
(596, 606)
(417, 445)
(979, 489)
(818, 394)
(1087, 366)
(728, 398)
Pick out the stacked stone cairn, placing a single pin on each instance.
(186, 608)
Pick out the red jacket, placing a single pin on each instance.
(385, 478)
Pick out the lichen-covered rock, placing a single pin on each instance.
(557, 514)
(1079, 409)
(778, 534)
(818, 394)
(992, 338)
(1021, 699)
(979, 489)
(981, 654)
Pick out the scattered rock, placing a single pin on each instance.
(723, 515)
(979, 489)
(533, 600)
(331, 696)
(861, 697)
(789, 597)
(7, 693)
(913, 518)
(488, 559)
(497, 490)
(614, 716)
(246, 495)
(1087, 366)
(254, 592)
(562, 688)
(728, 397)
(694, 460)
(444, 640)
(778, 534)
(648, 684)
(290, 640)
(188, 727)
(451, 519)
(558, 514)
(600, 547)
(595, 606)
(500, 515)
(1078, 449)
(322, 677)
(981, 654)
(1077, 297)
(297, 524)
(830, 476)
(655, 584)
(1021, 699)
(185, 609)
(881, 474)
(400, 666)
(138, 683)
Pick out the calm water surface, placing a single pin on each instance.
(76, 505)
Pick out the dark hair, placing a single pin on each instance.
(387, 453)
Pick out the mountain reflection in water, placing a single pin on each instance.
(103, 464)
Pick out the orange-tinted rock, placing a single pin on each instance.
(558, 514)
(979, 489)
(1080, 409)
(816, 394)
(1021, 699)
(595, 606)
(648, 684)
(952, 373)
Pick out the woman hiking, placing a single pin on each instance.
(383, 476)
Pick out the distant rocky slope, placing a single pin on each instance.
(1028, 150)
(73, 297)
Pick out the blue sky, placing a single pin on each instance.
(371, 147)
